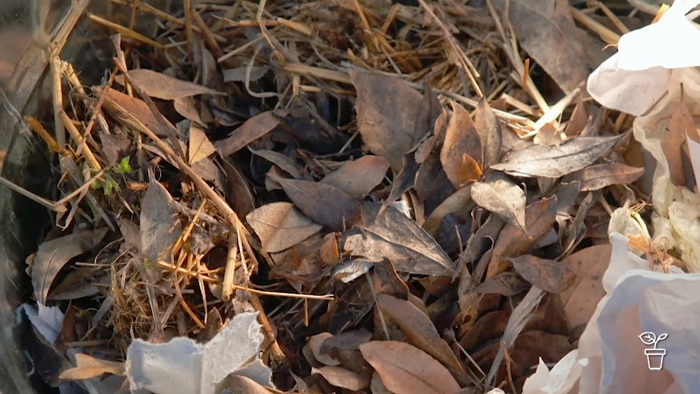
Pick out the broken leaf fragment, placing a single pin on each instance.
(280, 226)
(500, 195)
(163, 86)
(461, 154)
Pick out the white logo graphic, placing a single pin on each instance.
(655, 356)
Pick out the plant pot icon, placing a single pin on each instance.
(655, 358)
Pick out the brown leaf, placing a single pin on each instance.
(280, 226)
(599, 176)
(358, 177)
(188, 107)
(315, 343)
(513, 241)
(249, 131)
(421, 333)
(53, 255)
(546, 30)
(163, 86)
(284, 162)
(386, 114)
(118, 105)
(549, 135)
(199, 145)
(404, 181)
(461, 154)
(344, 378)
(406, 369)
(239, 384)
(158, 224)
(388, 281)
(581, 299)
(681, 123)
(88, 367)
(553, 161)
(329, 253)
(324, 204)
(506, 284)
(489, 128)
(398, 238)
(459, 201)
(498, 194)
(549, 275)
(239, 197)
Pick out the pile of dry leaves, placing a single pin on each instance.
(414, 198)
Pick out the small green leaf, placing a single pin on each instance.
(124, 167)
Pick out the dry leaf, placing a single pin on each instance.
(344, 378)
(53, 255)
(188, 107)
(163, 86)
(500, 195)
(284, 162)
(581, 299)
(549, 135)
(329, 253)
(249, 131)
(88, 367)
(513, 241)
(324, 204)
(549, 275)
(115, 102)
(461, 155)
(280, 226)
(199, 145)
(554, 162)
(489, 128)
(394, 236)
(421, 333)
(546, 30)
(406, 369)
(459, 201)
(506, 284)
(359, 177)
(240, 197)
(158, 224)
(680, 125)
(315, 343)
(386, 114)
(239, 384)
(599, 176)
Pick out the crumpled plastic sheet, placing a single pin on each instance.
(184, 366)
(612, 358)
(644, 79)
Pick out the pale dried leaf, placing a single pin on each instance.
(546, 30)
(280, 226)
(188, 108)
(680, 125)
(406, 369)
(88, 367)
(461, 154)
(549, 135)
(500, 195)
(553, 161)
(344, 378)
(120, 105)
(315, 344)
(249, 131)
(53, 255)
(581, 299)
(421, 333)
(359, 177)
(284, 162)
(394, 236)
(324, 204)
(158, 223)
(386, 114)
(163, 86)
(199, 145)
(489, 128)
(599, 176)
(549, 275)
